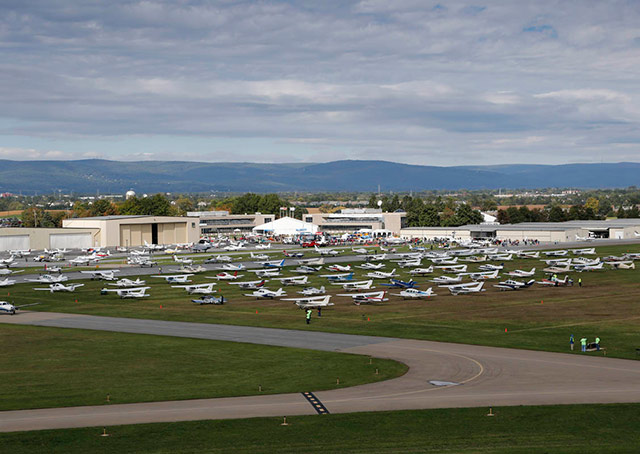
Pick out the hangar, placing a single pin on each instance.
(545, 232)
(135, 230)
(22, 238)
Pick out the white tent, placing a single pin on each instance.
(286, 226)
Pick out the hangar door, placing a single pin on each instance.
(14, 242)
(70, 240)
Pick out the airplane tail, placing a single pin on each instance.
(322, 289)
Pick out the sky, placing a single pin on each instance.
(412, 81)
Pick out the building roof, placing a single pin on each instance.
(287, 226)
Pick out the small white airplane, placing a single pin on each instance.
(484, 275)
(138, 292)
(620, 265)
(557, 269)
(421, 271)
(511, 284)
(153, 247)
(84, 260)
(7, 282)
(443, 281)
(585, 251)
(371, 266)
(263, 246)
(58, 287)
(366, 298)
(231, 267)
(312, 291)
(8, 308)
(409, 262)
(476, 259)
(250, 285)
(522, 273)
(20, 252)
(266, 293)
(382, 274)
(578, 261)
(137, 252)
(189, 269)
(558, 262)
(49, 278)
(269, 272)
(224, 276)
(272, 263)
(464, 289)
(589, 267)
(359, 250)
(7, 271)
(220, 259)
(529, 254)
(414, 293)
(501, 257)
(253, 256)
(409, 255)
(358, 285)
(201, 289)
(636, 234)
(312, 261)
(445, 261)
(128, 283)
(175, 278)
(339, 268)
(584, 238)
(453, 268)
(311, 302)
(293, 280)
(7, 262)
(108, 275)
(304, 269)
(558, 253)
(185, 260)
(331, 252)
(490, 267)
(632, 256)
(234, 247)
(376, 257)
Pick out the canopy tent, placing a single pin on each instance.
(286, 226)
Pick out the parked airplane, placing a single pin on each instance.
(201, 247)
(446, 280)
(445, 261)
(176, 278)
(49, 278)
(293, 255)
(421, 271)
(585, 251)
(312, 261)
(58, 287)
(376, 257)
(356, 285)
(128, 283)
(153, 247)
(556, 282)
(269, 272)
(202, 289)
(409, 262)
(224, 276)
(263, 246)
(490, 267)
(219, 259)
(84, 260)
(253, 256)
(622, 265)
(464, 289)
(453, 268)
(484, 275)
(511, 284)
(339, 268)
(20, 253)
(397, 283)
(559, 253)
(382, 274)
(266, 293)
(234, 247)
(138, 292)
(250, 285)
(584, 238)
(293, 280)
(8, 308)
(414, 293)
(589, 267)
(366, 298)
(338, 277)
(272, 263)
(529, 254)
(521, 273)
(311, 302)
(232, 267)
(371, 266)
(185, 261)
(7, 271)
(7, 262)
(210, 299)
(189, 269)
(331, 252)
(359, 250)
(7, 282)
(557, 269)
(312, 291)
(304, 269)
(108, 275)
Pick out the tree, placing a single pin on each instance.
(466, 215)
(103, 207)
(184, 205)
(430, 217)
(557, 214)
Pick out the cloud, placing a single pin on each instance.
(415, 81)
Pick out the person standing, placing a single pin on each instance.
(571, 342)
(597, 343)
(579, 282)
(309, 312)
(583, 343)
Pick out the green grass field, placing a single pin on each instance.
(539, 318)
(583, 429)
(52, 367)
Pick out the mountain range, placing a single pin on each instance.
(91, 175)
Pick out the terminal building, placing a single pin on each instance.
(214, 222)
(545, 232)
(354, 219)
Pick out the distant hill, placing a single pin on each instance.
(89, 176)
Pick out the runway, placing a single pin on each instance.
(441, 375)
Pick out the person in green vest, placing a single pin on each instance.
(583, 342)
(579, 282)
(597, 343)
(309, 312)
